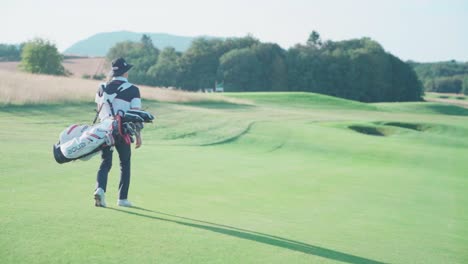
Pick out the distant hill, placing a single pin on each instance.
(99, 44)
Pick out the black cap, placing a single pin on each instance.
(120, 66)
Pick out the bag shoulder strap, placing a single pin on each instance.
(110, 97)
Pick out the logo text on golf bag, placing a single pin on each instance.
(76, 148)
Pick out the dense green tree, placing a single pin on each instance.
(141, 54)
(147, 42)
(358, 69)
(303, 68)
(41, 56)
(235, 43)
(122, 50)
(270, 73)
(198, 64)
(149, 55)
(431, 73)
(465, 84)
(240, 70)
(273, 67)
(314, 39)
(10, 52)
(448, 85)
(405, 84)
(165, 72)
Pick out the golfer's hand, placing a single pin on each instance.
(138, 141)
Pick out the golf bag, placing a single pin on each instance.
(83, 141)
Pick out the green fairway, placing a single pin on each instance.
(283, 178)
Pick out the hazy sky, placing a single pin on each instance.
(430, 30)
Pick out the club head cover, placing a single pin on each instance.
(146, 116)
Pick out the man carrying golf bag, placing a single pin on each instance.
(113, 100)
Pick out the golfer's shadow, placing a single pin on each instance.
(253, 236)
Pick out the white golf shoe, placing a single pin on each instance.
(99, 197)
(124, 203)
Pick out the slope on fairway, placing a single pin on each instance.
(301, 99)
(278, 181)
(424, 108)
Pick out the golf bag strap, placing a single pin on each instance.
(97, 114)
(120, 89)
(111, 107)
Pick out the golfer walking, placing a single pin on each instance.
(125, 96)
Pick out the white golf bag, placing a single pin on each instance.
(83, 141)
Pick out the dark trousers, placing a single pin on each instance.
(106, 164)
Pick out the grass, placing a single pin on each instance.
(301, 100)
(445, 96)
(424, 108)
(454, 99)
(18, 88)
(282, 179)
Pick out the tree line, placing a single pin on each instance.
(443, 77)
(357, 69)
(10, 52)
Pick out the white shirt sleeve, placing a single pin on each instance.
(99, 93)
(135, 103)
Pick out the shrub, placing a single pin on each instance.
(41, 56)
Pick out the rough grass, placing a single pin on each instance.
(90, 66)
(22, 88)
(77, 66)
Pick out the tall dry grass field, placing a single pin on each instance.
(86, 66)
(77, 67)
(23, 88)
